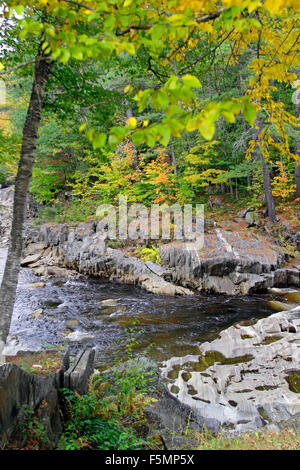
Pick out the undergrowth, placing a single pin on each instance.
(111, 415)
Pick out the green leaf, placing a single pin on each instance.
(76, 52)
(65, 55)
(207, 129)
(165, 133)
(99, 140)
(19, 9)
(160, 99)
(113, 140)
(127, 47)
(228, 116)
(109, 22)
(250, 113)
(173, 83)
(138, 137)
(82, 127)
(157, 31)
(191, 81)
(142, 97)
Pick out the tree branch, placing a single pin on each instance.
(81, 5)
(23, 64)
(143, 27)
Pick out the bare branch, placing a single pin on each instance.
(210, 16)
(81, 5)
(12, 69)
(24, 64)
(202, 19)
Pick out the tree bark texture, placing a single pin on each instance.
(30, 131)
(266, 177)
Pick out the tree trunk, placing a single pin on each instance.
(173, 156)
(266, 177)
(268, 189)
(129, 114)
(297, 178)
(231, 187)
(297, 144)
(27, 156)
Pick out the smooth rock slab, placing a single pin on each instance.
(241, 378)
(31, 259)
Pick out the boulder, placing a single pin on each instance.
(31, 259)
(36, 285)
(37, 313)
(79, 337)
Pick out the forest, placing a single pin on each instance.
(135, 115)
(160, 102)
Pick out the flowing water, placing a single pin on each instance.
(173, 326)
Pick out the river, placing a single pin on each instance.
(167, 326)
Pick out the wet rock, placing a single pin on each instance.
(36, 285)
(155, 268)
(108, 302)
(34, 248)
(281, 291)
(157, 285)
(71, 323)
(293, 297)
(31, 259)
(279, 306)
(79, 337)
(41, 271)
(111, 311)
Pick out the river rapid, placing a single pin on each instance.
(117, 315)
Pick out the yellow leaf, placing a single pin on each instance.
(127, 89)
(132, 122)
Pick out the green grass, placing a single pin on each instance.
(286, 440)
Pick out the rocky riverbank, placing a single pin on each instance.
(247, 378)
(232, 261)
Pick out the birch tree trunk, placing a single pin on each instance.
(27, 156)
